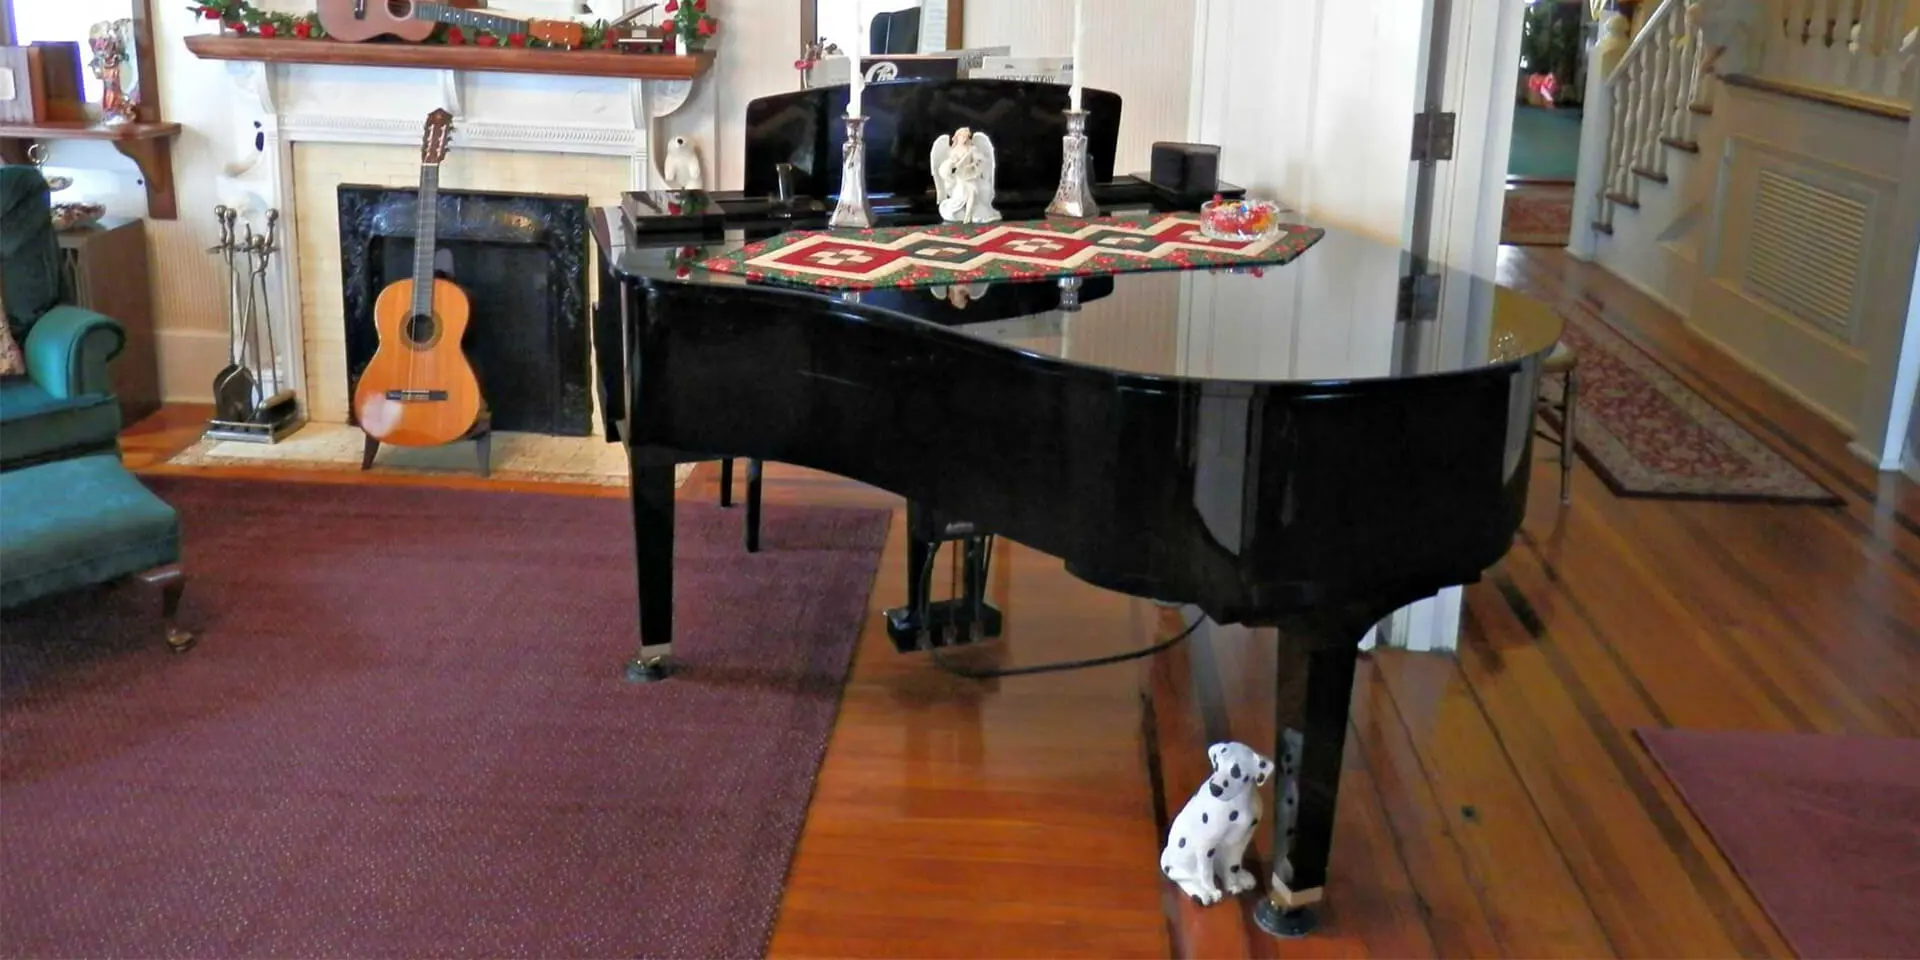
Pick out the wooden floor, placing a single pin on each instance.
(1494, 803)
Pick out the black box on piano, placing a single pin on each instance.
(1187, 169)
(670, 211)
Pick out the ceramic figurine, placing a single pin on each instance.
(108, 41)
(963, 177)
(1208, 840)
(682, 168)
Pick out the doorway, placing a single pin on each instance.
(1543, 158)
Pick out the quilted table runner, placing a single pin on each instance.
(1027, 250)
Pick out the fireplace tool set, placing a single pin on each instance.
(242, 407)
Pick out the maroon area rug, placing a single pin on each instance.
(1825, 830)
(1648, 435)
(404, 732)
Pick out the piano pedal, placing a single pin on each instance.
(949, 623)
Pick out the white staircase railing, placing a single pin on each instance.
(1852, 45)
(1656, 96)
(1665, 83)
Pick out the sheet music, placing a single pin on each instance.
(933, 26)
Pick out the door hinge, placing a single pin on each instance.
(1433, 136)
(1419, 297)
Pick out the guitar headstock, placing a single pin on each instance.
(437, 136)
(564, 33)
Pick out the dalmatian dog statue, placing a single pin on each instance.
(1209, 838)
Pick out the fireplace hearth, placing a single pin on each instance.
(522, 260)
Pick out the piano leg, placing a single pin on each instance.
(1314, 685)
(653, 555)
(753, 505)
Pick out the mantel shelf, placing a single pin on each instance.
(573, 63)
(148, 145)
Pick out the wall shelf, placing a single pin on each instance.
(148, 145)
(578, 63)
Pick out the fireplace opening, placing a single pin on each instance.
(522, 261)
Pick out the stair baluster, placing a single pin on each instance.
(1659, 84)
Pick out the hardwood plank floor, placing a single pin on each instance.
(1494, 803)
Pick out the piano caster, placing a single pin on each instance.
(1283, 923)
(649, 669)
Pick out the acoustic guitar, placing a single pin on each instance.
(419, 390)
(413, 21)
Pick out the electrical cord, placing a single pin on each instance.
(1062, 666)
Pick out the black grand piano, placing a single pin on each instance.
(1309, 447)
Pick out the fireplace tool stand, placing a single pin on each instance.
(243, 408)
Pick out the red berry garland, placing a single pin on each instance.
(688, 21)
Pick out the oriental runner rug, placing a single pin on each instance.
(1027, 250)
(405, 733)
(1825, 830)
(1537, 216)
(1648, 435)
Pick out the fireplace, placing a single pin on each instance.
(522, 260)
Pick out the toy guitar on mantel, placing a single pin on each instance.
(414, 20)
(419, 390)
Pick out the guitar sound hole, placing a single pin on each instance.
(421, 330)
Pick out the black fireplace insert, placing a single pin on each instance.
(522, 260)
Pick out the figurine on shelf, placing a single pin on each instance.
(681, 171)
(963, 177)
(108, 40)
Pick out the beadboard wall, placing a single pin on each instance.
(1140, 49)
(1134, 48)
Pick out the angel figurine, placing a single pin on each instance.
(963, 177)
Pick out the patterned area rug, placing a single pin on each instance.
(1538, 216)
(516, 456)
(1647, 435)
(973, 253)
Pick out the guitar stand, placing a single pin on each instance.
(481, 435)
(924, 624)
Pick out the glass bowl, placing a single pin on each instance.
(1239, 220)
(73, 216)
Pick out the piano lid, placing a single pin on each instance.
(1336, 313)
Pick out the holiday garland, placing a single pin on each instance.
(689, 21)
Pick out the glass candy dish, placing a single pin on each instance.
(1239, 220)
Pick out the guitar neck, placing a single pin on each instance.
(441, 13)
(425, 229)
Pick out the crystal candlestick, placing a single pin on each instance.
(1075, 196)
(853, 210)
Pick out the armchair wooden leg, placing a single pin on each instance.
(726, 483)
(172, 583)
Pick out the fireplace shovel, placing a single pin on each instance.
(233, 387)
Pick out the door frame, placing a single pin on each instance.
(1473, 57)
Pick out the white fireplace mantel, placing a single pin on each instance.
(281, 104)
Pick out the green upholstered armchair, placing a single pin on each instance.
(64, 407)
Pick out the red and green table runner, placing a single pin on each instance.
(1027, 250)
